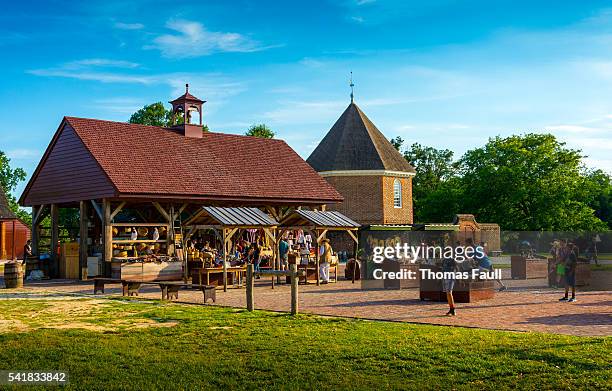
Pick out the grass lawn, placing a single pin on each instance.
(110, 344)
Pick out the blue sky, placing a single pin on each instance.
(443, 73)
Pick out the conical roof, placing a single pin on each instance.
(5, 210)
(354, 143)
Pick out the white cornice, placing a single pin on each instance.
(366, 173)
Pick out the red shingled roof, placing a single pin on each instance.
(141, 159)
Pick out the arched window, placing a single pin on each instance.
(397, 193)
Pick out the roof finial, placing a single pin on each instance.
(352, 85)
(187, 88)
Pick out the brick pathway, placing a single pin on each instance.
(526, 306)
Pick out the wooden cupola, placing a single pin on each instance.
(183, 107)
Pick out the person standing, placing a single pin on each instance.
(325, 253)
(449, 267)
(283, 250)
(570, 272)
(27, 250)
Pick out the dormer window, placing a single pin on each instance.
(397, 193)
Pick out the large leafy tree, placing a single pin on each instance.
(9, 179)
(260, 130)
(436, 190)
(156, 114)
(598, 194)
(530, 182)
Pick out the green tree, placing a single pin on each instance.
(436, 190)
(260, 130)
(598, 187)
(531, 182)
(397, 142)
(154, 114)
(9, 179)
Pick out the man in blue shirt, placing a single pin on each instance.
(283, 250)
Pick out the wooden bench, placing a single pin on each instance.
(169, 289)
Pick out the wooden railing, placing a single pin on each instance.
(293, 274)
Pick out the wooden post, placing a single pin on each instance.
(2, 240)
(35, 224)
(14, 245)
(54, 240)
(107, 232)
(224, 260)
(249, 287)
(83, 238)
(317, 253)
(294, 289)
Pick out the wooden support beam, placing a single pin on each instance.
(294, 289)
(224, 261)
(2, 240)
(352, 235)
(14, 249)
(54, 240)
(107, 230)
(162, 211)
(249, 287)
(38, 214)
(182, 208)
(321, 236)
(98, 210)
(117, 210)
(35, 224)
(84, 219)
(194, 217)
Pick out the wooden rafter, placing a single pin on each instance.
(98, 209)
(161, 211)
(117, 210)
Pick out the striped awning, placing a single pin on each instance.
(236, 217)
(319, 219)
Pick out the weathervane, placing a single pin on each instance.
(352, 85)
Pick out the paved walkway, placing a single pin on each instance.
(526, 306)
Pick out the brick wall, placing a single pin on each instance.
(369, 199)
(362, 198)
(391, 214)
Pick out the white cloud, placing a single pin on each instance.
(100, 62)
(104, 77)
(129, 26)
(357, 19)
(23, 154)
(194, 40)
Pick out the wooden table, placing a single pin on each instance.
(234, 273)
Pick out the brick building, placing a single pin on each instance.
(372, 176)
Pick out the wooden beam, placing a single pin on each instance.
(117, 210)
(98, 210)
(162, 211)
(107, 230)
(54, 240)
(35, 223)
(352, 236)
(37, 214)
(84, 219)
(194, 217)
(224, 261)
(249, 287)
(321, 236)
(182, 208)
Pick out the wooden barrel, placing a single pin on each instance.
(13, 275)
